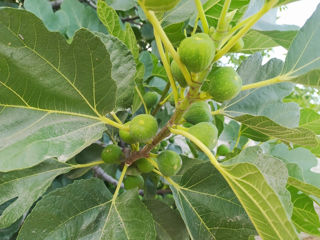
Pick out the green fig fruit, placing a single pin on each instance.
(206, 132)
(112, 154)
(160, 5)
(144, 165)
(150, 99)
(223, 84)
(197, 52)
(126, 136)
(169, 163)
(143, 127)
(131, 182)
(223, 150)
(198, 112)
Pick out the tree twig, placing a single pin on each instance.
(104, 176)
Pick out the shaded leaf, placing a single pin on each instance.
(84, 210)
(123, 69)
(310, 79)
(25, 187)
(168, 222)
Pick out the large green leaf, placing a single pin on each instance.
(208, 207)
(9, 232)
(85, 210)
(259, 182)
(304, 215)
(72, 16)
(50, 91)
(110, 19)
(123, 5)
(267, 101)
(25, 187)
(304, 53)
(168, 222)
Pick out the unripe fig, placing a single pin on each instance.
(223, 150)
(223, 84)
(143, 127)
(112, 154)
(131, 182)
(238, 46)
(177, 74)
(198, 112)
(169, 163)
(160, 5)
(197, 52)
(151, 99)
(206, 132)
(144, 165)
(126, 136)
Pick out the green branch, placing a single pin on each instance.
(202, 16)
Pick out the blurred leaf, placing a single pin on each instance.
(310, 120)
(122, 5)
(304, 215)
(26, 186)
(266, 101)
(265, 126)
(310, 79)
(303, 55)
(85, 210)
(72, 16)
(301, 175)
(168, 222)
(255, 40)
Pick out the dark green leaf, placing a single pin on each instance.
(169, 224)
(26, 186)
(85, 210)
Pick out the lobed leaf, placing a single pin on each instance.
(25, 187)
(85, 210)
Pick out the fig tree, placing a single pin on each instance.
(223, 84)
(143, 127)
(112, 154)
(144, 165)
(131, 182)
(206, 132)
(169, 163)
(151, 99)
(197, 52)
(160, 6)
(177, 74)
(198, 112)
(126, 136)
